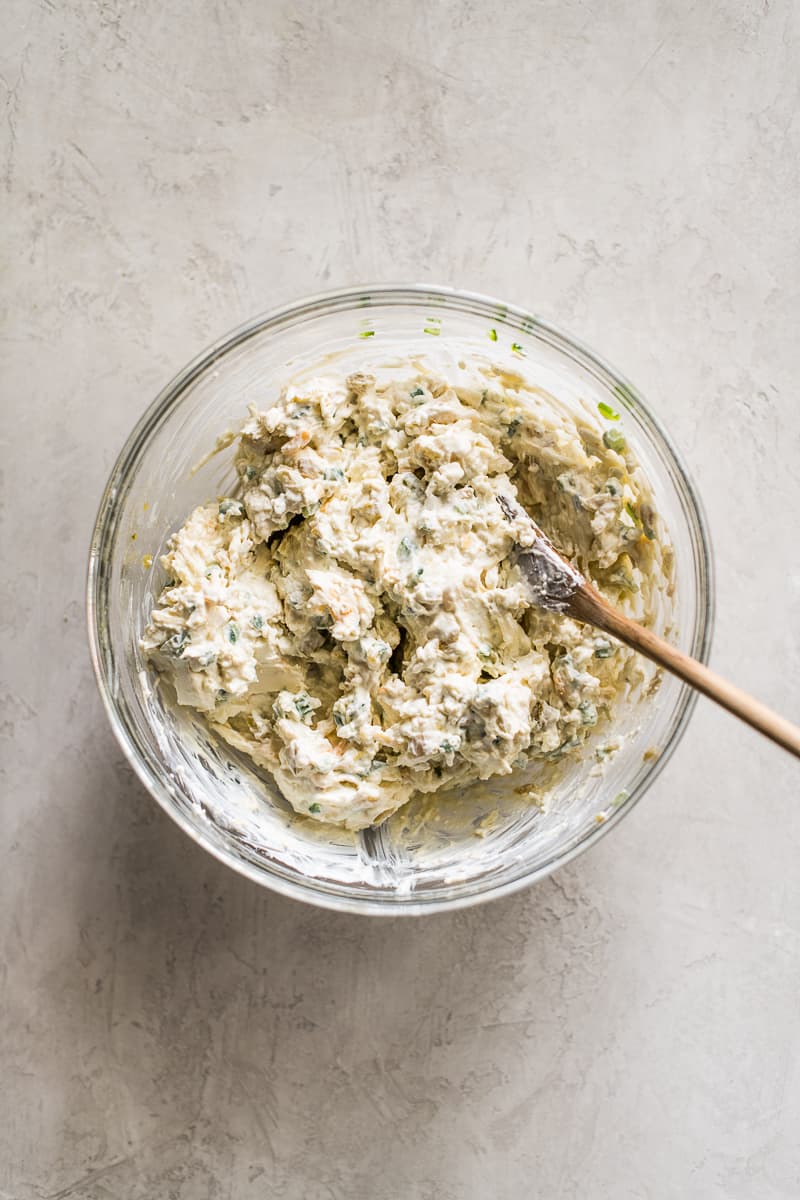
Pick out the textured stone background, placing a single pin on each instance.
(626, 1030)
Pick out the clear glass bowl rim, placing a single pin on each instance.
(354, 298)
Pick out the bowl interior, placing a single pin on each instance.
(454, 849)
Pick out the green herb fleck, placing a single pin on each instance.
(303, 704)
(492, 335)
(432, 330)
(516, 348)
(232, 632)
(514, 426)
(257, 621)
(404, 548)
(315, 808)
(335, 473)
(631, 511)
(624, 580)
(365, 333)
(222, 694)
(607, 411)
(230, 508)
(603, 649)
(561, 750)
(588, 713)
(418, 391)
(338, 719)
(251, 472)
(614, 440)
(176, 644)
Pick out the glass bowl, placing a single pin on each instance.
(485, 842)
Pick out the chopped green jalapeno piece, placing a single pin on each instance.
(614, 440)
(607, 411)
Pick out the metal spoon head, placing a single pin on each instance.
(552, 581)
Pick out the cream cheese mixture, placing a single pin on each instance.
(352, 618)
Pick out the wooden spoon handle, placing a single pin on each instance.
(588, 605)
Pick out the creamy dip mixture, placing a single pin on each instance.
(352, 618)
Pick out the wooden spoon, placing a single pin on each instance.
(559, 587)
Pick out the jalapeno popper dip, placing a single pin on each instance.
(352, 618)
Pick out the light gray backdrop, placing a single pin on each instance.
(629, 1029)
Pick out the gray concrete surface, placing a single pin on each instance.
(628, 1029)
